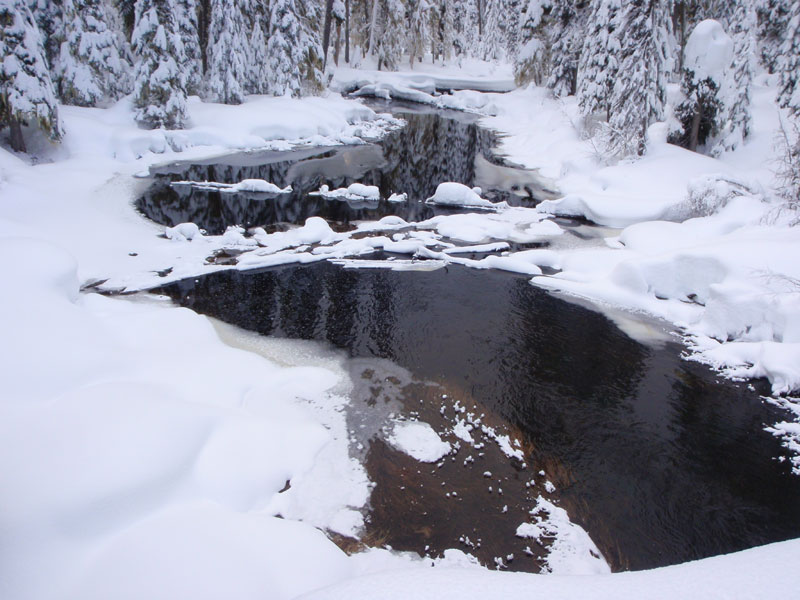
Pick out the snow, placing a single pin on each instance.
(355, 191)
(451, 193)
(419, 441)
(708, 52)
(127, 464)
(255, 186)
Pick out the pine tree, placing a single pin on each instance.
(532, 63)
(391, 26)
(465, 28)
(639, 93)
(737, 86)
(773, 24)
(599, 61)
(567, 31)
(159, 92)
(419, 32)
(295, 54)
(227, 61)
(494, 30)
(49, 16)
(789, 64)
(27, 97)
(186, 15)
(90, 69)
(257, 60)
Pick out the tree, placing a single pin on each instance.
(257, 59)
(737, 119)
(227, 47)
(49, 16)
(599, 62)
(788, 64)
(465, 28)
(27, 97)
(709, 54)
(186, 15)
(391, 27)
(419, 32)
(533, 59)
(773, 24)
(639, 93)
(294, 52)
(159, 91)
(91, 69)
(567, 31)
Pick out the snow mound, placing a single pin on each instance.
(256, 186)
(355, 191)
(419, 441)
(451, 193)
(183, 232)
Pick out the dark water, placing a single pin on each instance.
(656, 457)
(429, 150)
(659, 460)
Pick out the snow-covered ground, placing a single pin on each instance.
(145, 450)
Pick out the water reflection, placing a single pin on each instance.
(655, 457)
(430, 149)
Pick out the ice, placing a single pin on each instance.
(419, 441)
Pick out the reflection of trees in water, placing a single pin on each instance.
(415, 159)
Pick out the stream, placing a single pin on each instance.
(657, 458)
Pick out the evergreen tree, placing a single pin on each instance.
(391, 20)
(465, 27)
(567, 31)
(419, 32)
(293, 50)
(159, 91)
(257, 60)
(599, 62)
(227, 60)
(186, 15)
(736, 89)
(789, 64)
(49, 16)
(26, 91)
(91, 70)
(773, 24)
(639, 93)
(532, 63)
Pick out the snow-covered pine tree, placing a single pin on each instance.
(493, 41)
(566, 32)
(419, 31)
(227, 51)
(293, 50)
(789, 64)
(390, 40)
(186, 15)
(465, 28)
(27, 97)
(599, 61)
(257, 60)
(773, 23)
(512, 22)
(91, 71)
(159, 90)
(735, 95)
(708, 56)
(533, 58)
(446, 29)
(639, 93)
(49, 16)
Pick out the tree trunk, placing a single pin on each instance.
(372, 27)
(17, 141)
(480, 19)
(338, 43)
(326, 33)
(695, 133)
(347, 31)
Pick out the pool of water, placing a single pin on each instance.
(656, 457)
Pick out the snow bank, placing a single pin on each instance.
(757, 573)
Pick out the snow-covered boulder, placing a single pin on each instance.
(451, 193)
